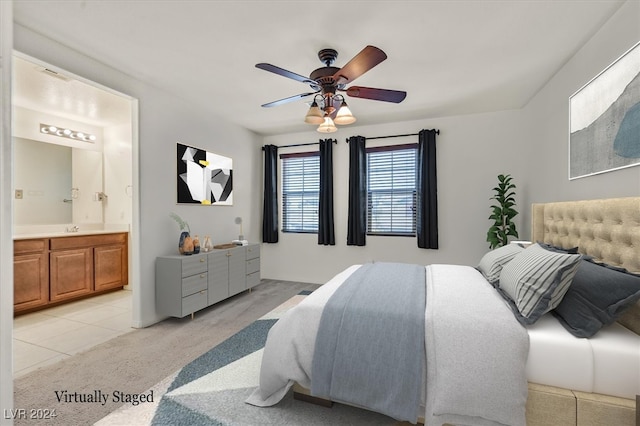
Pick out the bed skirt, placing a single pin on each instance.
(552, 406)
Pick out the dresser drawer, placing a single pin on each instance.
(192, 265)
(253, 251)
(253, 265)
(194, 302)
(253, 279)
(194, 284)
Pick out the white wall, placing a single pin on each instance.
(472, 151)
(164, 120)
(118, 174)
(546, 135)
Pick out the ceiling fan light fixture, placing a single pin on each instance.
(328, 80)
(344, 115)
(327, 126)
(314, 115)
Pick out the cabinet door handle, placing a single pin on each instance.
(228, 254)
(202, 275)
(202, 260)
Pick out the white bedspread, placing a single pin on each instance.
(462, 385)
(476, 352)
(288, 353)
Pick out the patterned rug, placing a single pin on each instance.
(211, 390)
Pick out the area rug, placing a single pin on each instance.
(211, 390)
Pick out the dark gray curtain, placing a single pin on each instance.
(270, 206)
(326, 233)
(427, 191)
(357, 217)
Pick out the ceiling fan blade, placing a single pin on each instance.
(281, 71)
(289, 99)
(386, 95)
(368, 58)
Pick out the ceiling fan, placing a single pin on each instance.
(328, 105)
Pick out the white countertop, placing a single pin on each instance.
(65, 234)
(58, 231)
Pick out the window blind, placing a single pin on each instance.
(300, 192)
(391, 190)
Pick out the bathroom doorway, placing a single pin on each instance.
(101, 196)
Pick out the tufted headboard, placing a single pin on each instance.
(607, 229)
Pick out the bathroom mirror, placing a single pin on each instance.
(56, 184)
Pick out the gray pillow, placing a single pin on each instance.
(535, 281)
(551, 247)
(492, 263)
(599, 294)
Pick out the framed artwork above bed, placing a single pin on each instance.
(203, 177)
(604, 119)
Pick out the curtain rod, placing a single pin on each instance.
(300, 144)
(395, 136)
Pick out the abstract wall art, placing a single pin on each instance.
(605, 119)
(203, 177)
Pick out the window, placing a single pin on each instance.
(391, 190)
(300, 192)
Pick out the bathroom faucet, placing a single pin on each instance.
(73, 228)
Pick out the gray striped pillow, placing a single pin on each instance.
(492, 263)
(536, 280)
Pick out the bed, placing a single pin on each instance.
(571, 380)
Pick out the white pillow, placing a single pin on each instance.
(536, 280)
(492, 263)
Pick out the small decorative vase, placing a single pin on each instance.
(188, 245)
(185, 246)
(196, 244)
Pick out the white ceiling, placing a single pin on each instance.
(451, 57)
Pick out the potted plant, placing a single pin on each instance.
(503, 213)
(185, 245)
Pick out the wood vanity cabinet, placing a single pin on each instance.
(30, 273)
(110, 266)
(69, 268)
(70, 274)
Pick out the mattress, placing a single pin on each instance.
(607, 363)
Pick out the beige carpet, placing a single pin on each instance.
(136, 361)
(212, 390)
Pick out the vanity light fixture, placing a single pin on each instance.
(63, 132)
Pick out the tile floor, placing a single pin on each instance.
(44, 337)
